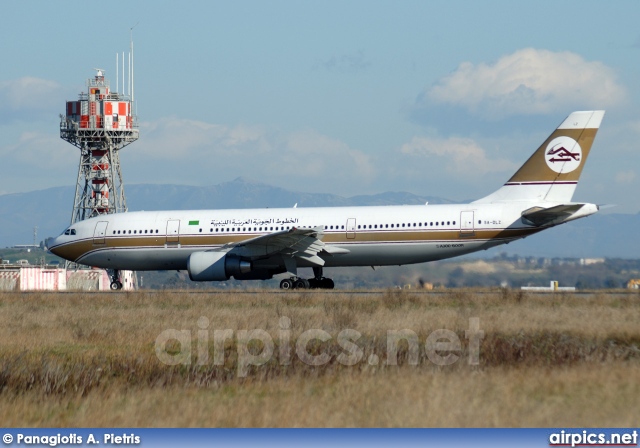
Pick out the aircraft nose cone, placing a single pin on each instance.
(49, 243)
(62, 247)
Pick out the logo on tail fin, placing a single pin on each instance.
(563, 154)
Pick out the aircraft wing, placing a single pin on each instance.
(539, 216)
(300, 243)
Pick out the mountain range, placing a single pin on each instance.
(601, 235)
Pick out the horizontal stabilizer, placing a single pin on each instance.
(538, 216)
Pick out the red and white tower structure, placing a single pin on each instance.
(100, 123)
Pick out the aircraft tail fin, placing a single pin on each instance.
(552, 172)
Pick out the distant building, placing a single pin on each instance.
(25, 277)
(27, 247)
(590, 261)
(553, 286)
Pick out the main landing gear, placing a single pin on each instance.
(302, 283)
(116, 284)
(318, 282)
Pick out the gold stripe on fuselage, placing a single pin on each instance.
(75, 250)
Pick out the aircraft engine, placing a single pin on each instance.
(215, 266)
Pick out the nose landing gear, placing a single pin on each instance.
(116, 284)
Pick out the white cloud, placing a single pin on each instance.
(456, 155)
(41, 150)
(172, 138)
(26, 96)
(625, 177)
(190, 151)
(527, 82)
(175, 150)
(36, 160)
(325, 156)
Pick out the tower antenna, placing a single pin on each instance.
(131, 50)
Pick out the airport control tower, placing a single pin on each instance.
(100, 123)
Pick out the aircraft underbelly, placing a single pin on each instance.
(139, 259)
(396, 254)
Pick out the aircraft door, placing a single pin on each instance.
(351, 228)
(173, 231)
(466, 223)
(99, 232)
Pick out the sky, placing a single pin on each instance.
(346, 97)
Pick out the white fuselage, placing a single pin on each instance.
(367, 236)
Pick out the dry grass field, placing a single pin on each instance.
(83, 359)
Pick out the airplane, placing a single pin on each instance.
(256, 244)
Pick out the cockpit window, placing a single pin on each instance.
(70, 232)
